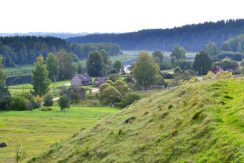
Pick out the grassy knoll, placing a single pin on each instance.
(200, 122)
(36, 130)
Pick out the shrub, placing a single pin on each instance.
(183, 64)
(113, 77)
(38, 101)
(64, 102)
(224, 75)
(227, 64)
(48, 100)
(129, 99)
(46, 109)
(74, 93)
(166, 65)
(110, 95)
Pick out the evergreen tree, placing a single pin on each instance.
(40, 79)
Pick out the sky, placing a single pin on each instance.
(111, 16)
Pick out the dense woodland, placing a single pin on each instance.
(24, 50)
(191, 37)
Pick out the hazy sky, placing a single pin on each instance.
(111, 15)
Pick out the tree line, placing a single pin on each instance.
(191, 37)
(24, 50)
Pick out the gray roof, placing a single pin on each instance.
(84, 77)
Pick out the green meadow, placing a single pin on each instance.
(34, 131)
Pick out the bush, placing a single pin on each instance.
(227, 64)
(183, 64)
(166, 65)
(48, 100)
(113, 77)
(129, 99)
(64, 102)
(74, 93)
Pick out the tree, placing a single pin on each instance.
(40, 79)
(64, 102)
(122, 87)
(177, 53)
(110, 95)
(67, 69)
(202, 63)
(211, 49)
(145, 70)
(95, 64)
(52, 66)
(227, 63)
(158, 55)
(117, 66)
(2, 74)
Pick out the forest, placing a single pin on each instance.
(24, 50)
(192, 37)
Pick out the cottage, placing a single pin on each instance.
(81, 79)
(99, 80)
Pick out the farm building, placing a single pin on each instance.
(81, 79)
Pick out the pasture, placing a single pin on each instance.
(34, 131)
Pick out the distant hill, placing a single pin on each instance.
(199, 122)
(44, 34)
(192, 37)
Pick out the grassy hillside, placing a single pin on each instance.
(201, 122)
(36, 130)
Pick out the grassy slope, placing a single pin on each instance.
(201, 122)
(36, 130)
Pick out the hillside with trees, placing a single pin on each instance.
(24, 50)
(191, 37)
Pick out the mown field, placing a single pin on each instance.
(34, 131)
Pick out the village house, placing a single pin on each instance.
(99, 80)
(81, 79)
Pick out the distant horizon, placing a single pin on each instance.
(111, 16)
(87, 33)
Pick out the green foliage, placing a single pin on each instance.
(211, 49)
(145, 70)
(129, 99)
(95, 64)
(48, 100)
(177, 53)
(158, 56)
(166, 65)
(122, 87)
(22, 102)
(114, 77)
(118, 66)
(202, 63)
(110, 95)
(67, 69)
(2, 74)
(52, 66)
(113, 92)
(75, 94)
(234, 44)
(64, 102)
(40, 79)
(227, 64)
(183, 64)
